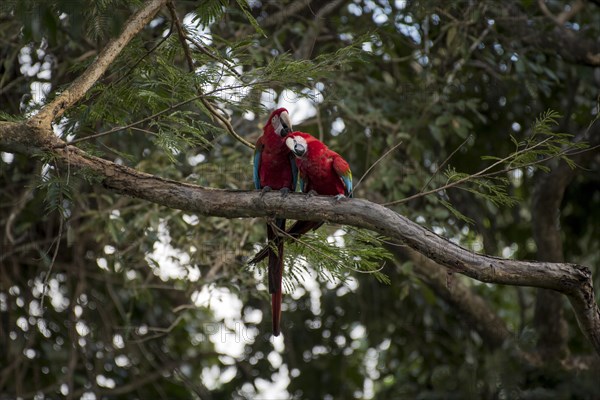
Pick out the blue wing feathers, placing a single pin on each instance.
(257, 154)
(348, 183)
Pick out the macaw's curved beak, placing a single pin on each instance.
(299, 149)
(286, 124)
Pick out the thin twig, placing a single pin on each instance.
(221, 119)
(479, 174)
(496, 173)
(60, 233)
(540, 161)
(144, 131)
(372, 271)
(47, 277)
(463, 60)
(157, 114)
(80, 86)
(135, 64)
(120, 128)
(203, 50)
(375, 163)
(181, 35)
(159, 331)
(444, 163)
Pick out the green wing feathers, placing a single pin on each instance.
(342, 168)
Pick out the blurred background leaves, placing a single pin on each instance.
(147, 302)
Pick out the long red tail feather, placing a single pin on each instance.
(275, 272)
(274, 251)
(276, 312)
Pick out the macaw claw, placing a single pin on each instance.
(311, 193)
(285, 192)
(339, 198)
(264, 190)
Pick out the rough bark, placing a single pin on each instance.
(573, 280)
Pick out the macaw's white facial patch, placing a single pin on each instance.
(301, 141)
(297, 144)
(289, 142)
(275, 122)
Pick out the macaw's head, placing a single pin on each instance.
(298, 143)
(280, 122)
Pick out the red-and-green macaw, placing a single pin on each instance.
(321, 170)
(275, 168)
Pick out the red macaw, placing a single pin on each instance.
(321, 170)
(274, 168)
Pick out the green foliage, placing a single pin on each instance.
(543, 144)
(335, 257)
(94, 19)
(176, 119)
(57, 188)
(210, 11)
(11, 118)
(134, 304)
(243, 4)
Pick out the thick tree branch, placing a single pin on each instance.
(85, 81)
(573, 280)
